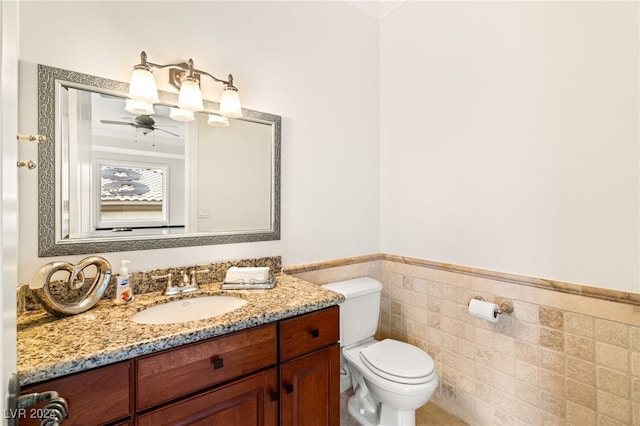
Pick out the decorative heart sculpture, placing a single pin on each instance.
(76, 280)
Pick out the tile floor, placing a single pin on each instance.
(428, 415)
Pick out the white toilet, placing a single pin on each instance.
(391, 379)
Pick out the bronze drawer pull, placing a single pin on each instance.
(288, 387)
(315, 333)
(217, 363)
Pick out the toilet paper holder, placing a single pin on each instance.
(504, 306)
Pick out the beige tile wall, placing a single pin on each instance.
(559, 359)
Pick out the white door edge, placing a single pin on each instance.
(8, 191)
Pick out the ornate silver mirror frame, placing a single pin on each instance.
(51, 244)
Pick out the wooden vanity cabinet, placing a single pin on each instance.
(95, 397)
(310, 369)
(286, 372)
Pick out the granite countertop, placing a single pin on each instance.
(50, 347)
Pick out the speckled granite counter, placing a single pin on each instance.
(51, 347)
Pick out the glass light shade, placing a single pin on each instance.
(190, 97)
(142, 86)
(217, 121)
(230, 103)
(139, 108)
(181, 114)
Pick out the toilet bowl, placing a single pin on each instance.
(390, 379)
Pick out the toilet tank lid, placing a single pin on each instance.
(355, 287)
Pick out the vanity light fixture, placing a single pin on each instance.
(139, 108)
(181, 115)
(186, 78)
(217, 121)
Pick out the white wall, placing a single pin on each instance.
(509, 137)
(315, 64)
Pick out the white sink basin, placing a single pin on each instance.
(188, 310)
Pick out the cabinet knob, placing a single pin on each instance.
(315, 333)
(217, 363)
(273, 395)
(288, 387)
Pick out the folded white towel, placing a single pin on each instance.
(249, 274)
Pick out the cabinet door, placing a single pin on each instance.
(252, 401)
(95, 397)
(310, 389)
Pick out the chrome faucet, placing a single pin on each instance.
(171, 289)
(194, 272)
(186, 285)
(185, 279)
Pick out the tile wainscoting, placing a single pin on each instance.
(567, 355)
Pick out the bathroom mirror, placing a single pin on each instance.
(110, 180)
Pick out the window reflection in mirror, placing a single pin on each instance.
(131, 196)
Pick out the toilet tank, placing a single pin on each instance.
(360, 311)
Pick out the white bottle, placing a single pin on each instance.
(124, 293)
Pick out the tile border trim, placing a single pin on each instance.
(559, 286)
(326, 264)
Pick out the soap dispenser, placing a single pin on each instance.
(124, 293)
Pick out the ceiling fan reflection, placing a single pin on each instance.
(144, 123)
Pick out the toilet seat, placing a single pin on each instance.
(399, 362)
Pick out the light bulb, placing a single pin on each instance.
(230, 103)
(138, 107)
(142, 86)
(217, 121)
(181, 114)
(190, 97)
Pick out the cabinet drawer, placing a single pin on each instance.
(251, 401)
(176, 372)
(95, 397)
(309, 332)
